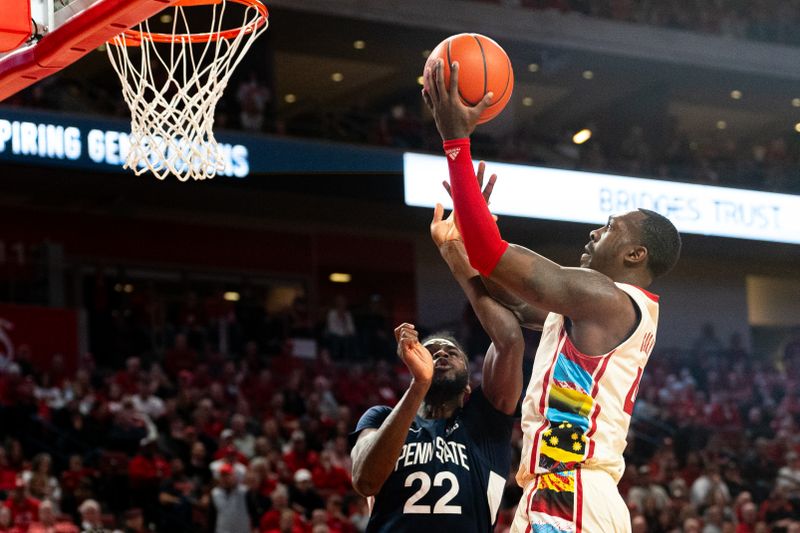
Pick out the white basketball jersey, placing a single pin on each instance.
(577, 408)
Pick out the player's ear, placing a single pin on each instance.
(467, 389)
(636, 255)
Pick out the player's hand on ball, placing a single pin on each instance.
(453, 118)
(416, 357)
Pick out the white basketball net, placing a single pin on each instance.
(172, 117)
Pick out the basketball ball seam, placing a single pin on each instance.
(449, 65)
(483, 57)
(508, 80)
(498, 99)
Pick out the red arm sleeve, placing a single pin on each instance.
(479, 231)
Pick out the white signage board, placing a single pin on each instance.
(574, 196)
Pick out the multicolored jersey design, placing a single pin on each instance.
(577, 408)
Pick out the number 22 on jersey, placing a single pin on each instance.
(441, 506)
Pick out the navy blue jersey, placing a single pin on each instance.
(450, 473)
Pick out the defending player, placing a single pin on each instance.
(438, 461)
(595, 343)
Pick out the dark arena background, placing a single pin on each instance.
(155, 333)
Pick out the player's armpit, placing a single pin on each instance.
(528, 315)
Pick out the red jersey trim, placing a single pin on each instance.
(652, 296)
(578, 501)
(528, 505)
(597, 377)
(543, 401)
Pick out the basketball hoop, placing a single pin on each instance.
(173, 84)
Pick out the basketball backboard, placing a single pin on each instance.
(41, 37)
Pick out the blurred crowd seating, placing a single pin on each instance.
(178, 437)
(763, 20)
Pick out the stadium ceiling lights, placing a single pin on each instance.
(582, 136)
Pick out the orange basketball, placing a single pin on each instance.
(483, 66)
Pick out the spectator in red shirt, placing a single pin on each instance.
(319, 520)
(288, 523)
(267, 477)
(271, 520)
(328, 478)
(299, 456)
(337, 520)
(146, 471)
(206, 419)
(8, 474)
(228, 449)
(748, 519)
(24, 509)
(147, 467)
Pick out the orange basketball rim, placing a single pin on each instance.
(133, 37)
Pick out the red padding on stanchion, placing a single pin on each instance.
(15, 24)
(73, 40)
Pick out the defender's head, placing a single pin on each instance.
(450, 367)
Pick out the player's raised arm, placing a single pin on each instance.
(377, 449)
(528, 315)
(502, 366)
(576, 293)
